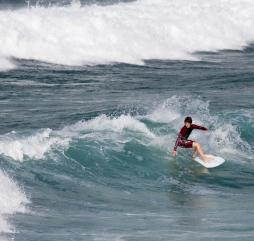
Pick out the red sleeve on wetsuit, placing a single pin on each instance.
(198, 127)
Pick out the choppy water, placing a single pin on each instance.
(91, 101)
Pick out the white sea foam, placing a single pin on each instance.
(126, 32)
(32, 146)
(12, 200)
(118, 124)
(118, 128)
(6, 64)
(37, 145)
(172, 110)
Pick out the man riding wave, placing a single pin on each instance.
(183, 141)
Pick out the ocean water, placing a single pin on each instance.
(92, 96)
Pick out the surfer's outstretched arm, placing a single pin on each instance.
(194, 126)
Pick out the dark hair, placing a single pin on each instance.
(188, 119)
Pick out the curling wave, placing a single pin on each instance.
(223, 137)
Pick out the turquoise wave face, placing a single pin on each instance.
(85, 151)
(116, 173)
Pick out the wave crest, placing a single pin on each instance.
(159, 127)
(125, 32)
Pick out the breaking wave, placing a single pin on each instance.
(126, 32)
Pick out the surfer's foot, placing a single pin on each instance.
(206, 158)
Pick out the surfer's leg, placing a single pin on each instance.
(194, 150)
(198, 149)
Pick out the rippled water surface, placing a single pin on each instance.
(85, 137)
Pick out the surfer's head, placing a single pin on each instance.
(188, 121)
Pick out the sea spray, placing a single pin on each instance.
(12, 200)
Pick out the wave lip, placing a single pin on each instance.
(33, 146)
(118, 124)
(36, 146)
(125, 32)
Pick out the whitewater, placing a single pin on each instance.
(125, 32)
(92, 96)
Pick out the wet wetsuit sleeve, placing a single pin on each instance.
(198, 127)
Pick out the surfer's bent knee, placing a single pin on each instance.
(195, 144)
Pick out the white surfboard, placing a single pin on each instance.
(216, 161)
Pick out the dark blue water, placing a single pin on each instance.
(86, 150)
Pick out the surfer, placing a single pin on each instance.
(182, 139)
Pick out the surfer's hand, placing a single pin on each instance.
(174, 153)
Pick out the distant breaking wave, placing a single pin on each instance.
(125, 32)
